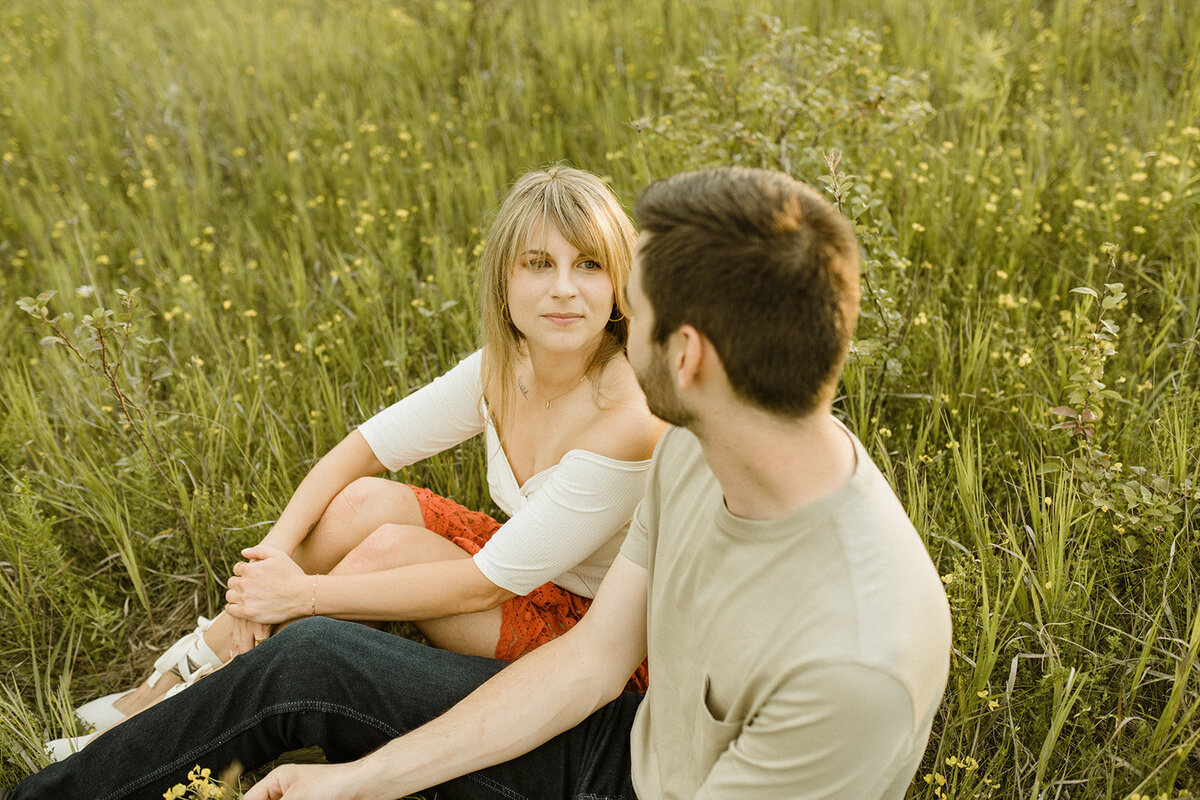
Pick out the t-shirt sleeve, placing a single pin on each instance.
(636, 546)
(434, 418)
(643, 527)
(832, 731)
(584, 503)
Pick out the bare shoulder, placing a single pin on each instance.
(623, 428)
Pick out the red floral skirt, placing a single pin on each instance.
(526, 622)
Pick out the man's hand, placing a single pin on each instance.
(269, 588)
(524, 705)
(308, 782)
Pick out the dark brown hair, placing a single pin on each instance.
(765, 268)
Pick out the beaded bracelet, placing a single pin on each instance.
(314, 596)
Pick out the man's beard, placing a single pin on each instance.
(661, 395)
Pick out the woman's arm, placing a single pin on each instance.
(351, 458)
(271, 588)
(584, 503)
(431, 419)
(437, 416)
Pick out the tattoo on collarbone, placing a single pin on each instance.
(521, 386)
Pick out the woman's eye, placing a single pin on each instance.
(536, 263)
(591, 265)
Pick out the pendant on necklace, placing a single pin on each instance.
(546, 403)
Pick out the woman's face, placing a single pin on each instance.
(559, 298)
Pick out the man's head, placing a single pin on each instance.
(761, 266)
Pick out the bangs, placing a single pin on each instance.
(580, 207)
(590, 229)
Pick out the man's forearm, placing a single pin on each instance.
(543, 694)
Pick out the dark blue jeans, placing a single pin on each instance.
(348, 689)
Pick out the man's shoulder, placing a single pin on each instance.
(678, 445)
(678, 461)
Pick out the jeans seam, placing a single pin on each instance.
(228, 734)
(495, 786)
(501, 789)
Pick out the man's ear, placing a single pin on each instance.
(689, 356)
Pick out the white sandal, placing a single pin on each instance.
(190, 658)
(58, 749)
(100, 713)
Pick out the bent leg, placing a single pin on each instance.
(401, 545)
(351, 517)
(342, 686)
(353, 514)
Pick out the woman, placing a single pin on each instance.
(568, 440)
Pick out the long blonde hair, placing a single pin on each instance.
(591, 218)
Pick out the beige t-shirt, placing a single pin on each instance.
(798, 657)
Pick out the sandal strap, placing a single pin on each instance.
(189, 680)
(188, 655)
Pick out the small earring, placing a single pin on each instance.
(619, 318)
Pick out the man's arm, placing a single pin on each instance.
(541, 695)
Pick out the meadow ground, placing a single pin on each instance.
(263, 219)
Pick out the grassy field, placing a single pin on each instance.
(291, 196)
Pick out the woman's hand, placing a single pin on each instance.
(245, 634)
(269, 588)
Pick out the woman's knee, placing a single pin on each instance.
(359, 495)
(384, 547)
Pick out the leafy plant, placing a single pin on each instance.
(1139, 504)
(101, 344)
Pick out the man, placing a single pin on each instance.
(798, 634)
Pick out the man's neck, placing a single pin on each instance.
(769, 467)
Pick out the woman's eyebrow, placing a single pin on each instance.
(546, 253)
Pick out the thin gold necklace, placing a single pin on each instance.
(525, 392)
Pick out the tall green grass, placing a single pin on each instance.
(297, 191)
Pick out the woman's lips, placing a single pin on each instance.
(563, 319)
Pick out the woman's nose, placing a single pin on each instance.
(564, 282)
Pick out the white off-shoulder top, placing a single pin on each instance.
(566, 523)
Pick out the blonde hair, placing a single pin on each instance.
(589, 216)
